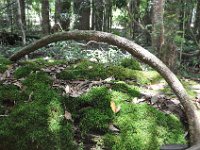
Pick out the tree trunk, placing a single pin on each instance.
(62, 13)
(23, 12)
(98, 8)
(82, 10)
(137, 51)
(107, 16)
(197, 24)
(158, 25)
(45, 17)
(21, 23)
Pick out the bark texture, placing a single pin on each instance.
(20, 16)
(45, 17)
(138, 52)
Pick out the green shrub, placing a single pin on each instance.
(131, 64)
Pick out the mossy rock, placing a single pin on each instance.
(4, 63)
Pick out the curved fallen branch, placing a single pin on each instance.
(138, 52)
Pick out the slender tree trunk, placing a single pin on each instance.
(107, 16)
(158, 25)
(45, 17)
(62, 13)
(82, 10)
(21, 23)
(98, 8)
(23, 12)
(197, 24)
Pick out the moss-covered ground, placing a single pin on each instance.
(39, 115)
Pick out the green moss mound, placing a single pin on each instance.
(36, 113)
(4, 63)
(143, 127)
(39, 122)
(131, 64)
(94, 71)
(84, 70)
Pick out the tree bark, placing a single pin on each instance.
(197, 24)
(62, 13)
(23, 12)
(82, 10)
(45, 17)
(158, 25)
(98, 12)
(21, 23)
(137, 51)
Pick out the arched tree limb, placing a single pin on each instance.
(137, 51)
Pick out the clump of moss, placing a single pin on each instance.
(4, 64)
(10, 95)
(92, 110)
(99, 114)
(33, 66)
(38, 77)
(131, 64)
(94, 71)
(39, 123)
(41, 62)
(84, 70)
(144, 127)
(124, 88)
(24, 71)
(122, 73)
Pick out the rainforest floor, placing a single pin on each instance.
(55, 104)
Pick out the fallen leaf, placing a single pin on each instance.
(67, 89)
(113, 128)
(18, 84)
(114, 108)
(109, 79)
(68, 116)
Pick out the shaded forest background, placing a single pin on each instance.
(170, 29)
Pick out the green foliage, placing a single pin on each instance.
(143, 127)
(131, 64)
(4, 64)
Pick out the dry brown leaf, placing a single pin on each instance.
(68, 116)
(67, 89)
(114, 107)
(18, 84)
